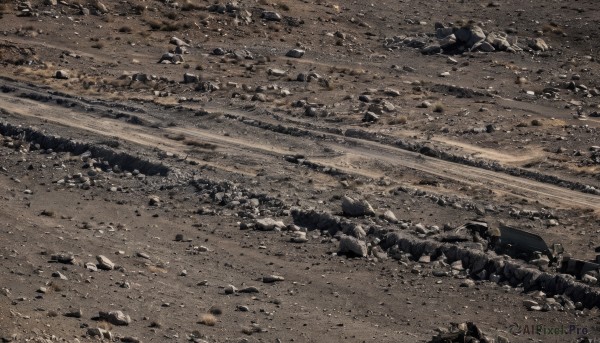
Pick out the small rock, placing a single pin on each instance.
(295, 53)
(250, 289)
(276, 72)
(370, 117)
(390, 216)
(272, 16)
(104, 263)
(97, 332)
(59, 275)
(299, 237)
(115, 317)
(154, 200)
(230, 289)
(269, 224)
(74, 314)
(538, 44)
(91, 267)
(272, 278)
(178, 42)
(467, 283)
(62, 75)
(587, 278)
(529, 304)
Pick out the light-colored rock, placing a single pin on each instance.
(276, 72)
(538, 44)
(100, 7)
(529, 304)
(154, 200)
(115, 317)
(299, 237)
(272, 16)
(269, 224)
(104, 263)
(62, 75)
(97, 332)
(353, 246)
(230, 289)
(390, 216)
(370, 117)
(356, 208)
(178, 42)
(467, 283)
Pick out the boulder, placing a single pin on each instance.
(352, 246)
(356, 208)
(190, 78)
(477, 35)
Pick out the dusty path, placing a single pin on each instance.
(353, 149)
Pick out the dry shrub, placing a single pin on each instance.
(139, 8)
(104, 325)
(552, 28)
(154, 24)
(438, 107)
(536, 122)
(216, 310)
(208, 319)
(157, 269)
(401, 120)
(190, 6)
(170, 26)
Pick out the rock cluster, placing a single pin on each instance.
(453, 39)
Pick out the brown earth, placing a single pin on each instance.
(505, 137)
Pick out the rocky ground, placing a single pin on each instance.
(297, 171)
